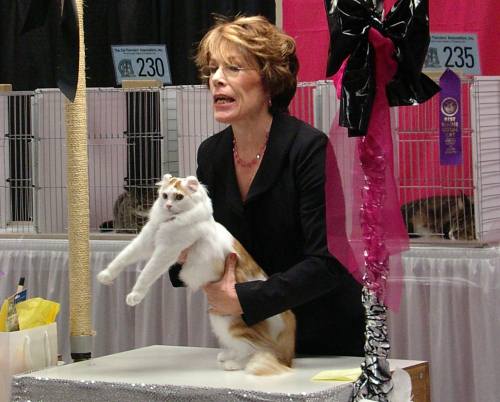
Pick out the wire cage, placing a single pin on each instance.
(437, 200)
(485, 123)
(137, 135)
(16, 169)
(451, 202)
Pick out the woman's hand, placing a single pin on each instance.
(221, 295)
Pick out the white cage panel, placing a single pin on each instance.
(302, 105)
(106, 119)
(50, 206)
(107, 147)
(326, 106)
(16, 191)
(485, 97)
(169, 128)
(136, 136)
(195, 123)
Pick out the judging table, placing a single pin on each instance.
(448, 315)
(159, 373)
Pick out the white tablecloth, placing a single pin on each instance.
(448, 316)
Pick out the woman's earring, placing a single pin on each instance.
(269, 102)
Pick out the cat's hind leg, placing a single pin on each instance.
(237, 350)
(236, 354)
(236, 359)
(226, 354)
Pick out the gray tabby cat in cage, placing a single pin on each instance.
(444, 216)
(131, 209)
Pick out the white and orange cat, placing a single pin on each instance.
(181, 217)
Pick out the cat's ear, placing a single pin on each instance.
(191, 183)
(165, 179)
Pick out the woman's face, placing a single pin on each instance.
(238, 92)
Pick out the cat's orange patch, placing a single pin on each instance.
(259, 334)
(246, 268)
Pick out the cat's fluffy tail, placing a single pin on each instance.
(265, 363)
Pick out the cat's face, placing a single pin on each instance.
(176, 195)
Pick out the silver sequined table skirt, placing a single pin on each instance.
(174, 373)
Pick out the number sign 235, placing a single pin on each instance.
(459, 56)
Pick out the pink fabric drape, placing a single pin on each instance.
(345, 181)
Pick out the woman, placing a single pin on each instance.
(265, 175)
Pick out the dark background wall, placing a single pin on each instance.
(27, 59)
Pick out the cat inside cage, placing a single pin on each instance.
(130, 210)
(449, 217)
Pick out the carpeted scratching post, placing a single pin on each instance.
(78, 211)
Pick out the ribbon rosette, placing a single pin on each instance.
(407, 25)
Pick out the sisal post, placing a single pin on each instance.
(78, 212)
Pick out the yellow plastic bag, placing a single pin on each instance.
(35, 312)
(3, 315)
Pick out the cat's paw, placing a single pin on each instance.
(105, 277)
(231, 365)
(225, 355)
(134, 298)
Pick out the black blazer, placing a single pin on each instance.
(282, 225)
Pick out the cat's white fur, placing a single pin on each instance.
(175, 225)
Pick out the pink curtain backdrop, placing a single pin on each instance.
(305, 20)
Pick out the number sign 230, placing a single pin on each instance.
(151, 67)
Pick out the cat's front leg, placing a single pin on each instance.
(159, 263)
(135, 297)
(108, 275)
(139, 249)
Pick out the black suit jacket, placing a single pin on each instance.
(282, 225)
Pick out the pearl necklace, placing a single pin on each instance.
(255, 160)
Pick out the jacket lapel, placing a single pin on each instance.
(281, 136)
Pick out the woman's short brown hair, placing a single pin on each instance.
(257, 40)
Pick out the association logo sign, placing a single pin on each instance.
(141, 62)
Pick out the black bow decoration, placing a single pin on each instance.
(407, 25)
(68, 45)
